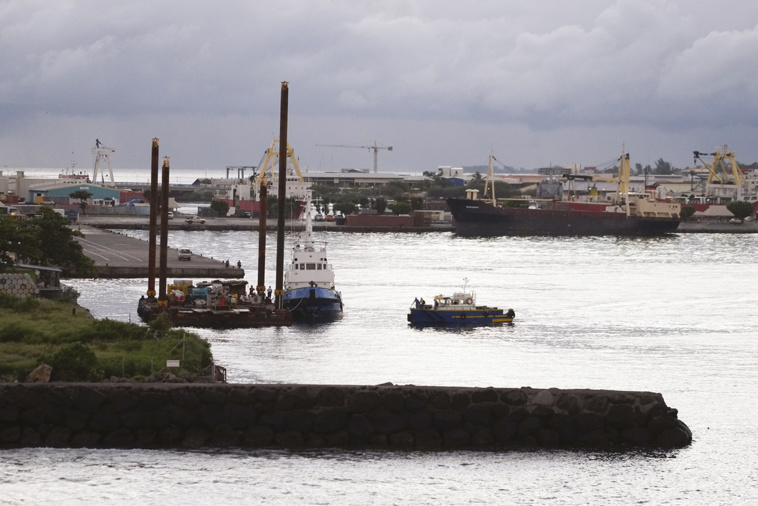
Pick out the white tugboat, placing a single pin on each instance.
(309, 280)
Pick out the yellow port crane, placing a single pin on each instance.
(375, 148)
(270, 162)
(718, 169)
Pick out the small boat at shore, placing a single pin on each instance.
(459, 309)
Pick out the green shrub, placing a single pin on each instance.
(15, 332)
(686, 212)
(73, 362)
(400, 207)
(221, 207)
(82, 349)
(159, 326)
(110, 330)
(19, 305)
(740, 209)
(26, 305)
(130, 345)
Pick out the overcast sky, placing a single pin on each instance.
(441, 81)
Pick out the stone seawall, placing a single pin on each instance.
(117, 415)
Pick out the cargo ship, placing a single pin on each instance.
(629, 214)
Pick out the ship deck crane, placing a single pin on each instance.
(375, 148)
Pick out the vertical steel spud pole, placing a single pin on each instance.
(282, 196)
(263, 217)
(153, 220)
(162, 296)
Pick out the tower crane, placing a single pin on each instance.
(375, 148)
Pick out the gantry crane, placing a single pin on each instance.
(375, 148)
(102, 154)
(270, 162)
(718, 163)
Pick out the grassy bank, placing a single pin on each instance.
(80, 348)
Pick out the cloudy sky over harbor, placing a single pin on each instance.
(441, 81)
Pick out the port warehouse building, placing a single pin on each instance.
(41, 193)
(37, 190)
(16, 189)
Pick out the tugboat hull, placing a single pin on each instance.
(313, 304)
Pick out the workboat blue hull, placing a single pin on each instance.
(313, 304)
(423, 317)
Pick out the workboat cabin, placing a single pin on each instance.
(455, 301)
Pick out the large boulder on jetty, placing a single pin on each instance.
(40, 375)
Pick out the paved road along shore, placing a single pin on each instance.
(119, 256)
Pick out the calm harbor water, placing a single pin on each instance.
(675, 315)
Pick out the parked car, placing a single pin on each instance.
(195, 219)
(170, 215)
(185, 254)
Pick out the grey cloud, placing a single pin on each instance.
(539, 68)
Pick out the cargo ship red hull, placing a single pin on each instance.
(479, 218)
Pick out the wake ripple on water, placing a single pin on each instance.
(674, 315)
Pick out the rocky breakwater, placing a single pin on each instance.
(121, 415)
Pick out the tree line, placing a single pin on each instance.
(45, 239)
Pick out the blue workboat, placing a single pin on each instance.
(309, 292)
(459, 309)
